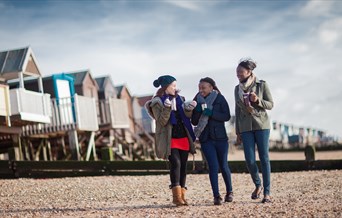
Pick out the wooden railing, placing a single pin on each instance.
(5, 106)
(86, 113)
(113, 112)
(30, 106)
(71, 113)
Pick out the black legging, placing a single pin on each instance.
(178, 161)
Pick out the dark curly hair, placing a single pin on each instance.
(248, 64)
(211, 82)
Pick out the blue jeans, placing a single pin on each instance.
(261, 139)
(216, 153)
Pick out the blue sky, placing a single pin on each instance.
(296, 43)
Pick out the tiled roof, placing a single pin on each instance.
(13, 60)
(118, 90)
(18, 60)
(100, 82)
(78, 76)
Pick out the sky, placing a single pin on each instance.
(297, 45)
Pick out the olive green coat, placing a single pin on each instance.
(163, 134)
(248, 122)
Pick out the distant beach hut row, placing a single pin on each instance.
(68, 115)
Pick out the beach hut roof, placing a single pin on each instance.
(79, 76)
(102, 81)
(120, 88)
(15, 61)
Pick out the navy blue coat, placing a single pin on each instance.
(215, 128)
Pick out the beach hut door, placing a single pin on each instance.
(65, 101)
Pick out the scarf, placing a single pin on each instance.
(245, 87)
(203, 120)
(179, 106)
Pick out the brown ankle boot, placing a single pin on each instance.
(177, 195)
(183, 196)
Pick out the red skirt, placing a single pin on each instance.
(180, 143)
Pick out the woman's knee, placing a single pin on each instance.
(213, 166)
(251, 162)
(264, 158)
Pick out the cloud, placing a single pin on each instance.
(330, 32)
(299, 47)
(315, 8)
(189, 5)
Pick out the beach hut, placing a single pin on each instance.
(123, 93)
(147, 123)
(106, 87)
(119, 130)
(73, 116)
(137, 114)
(113, 112)
(26, 106)
(140, 143)
(5, 106)
(19, 106)
(61, 89)
(113, 120)
(84, 83)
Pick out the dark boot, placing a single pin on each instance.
(229, 197)
(217, 200)
(177, 195)
(183, 196)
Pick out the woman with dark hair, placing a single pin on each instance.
(252, 99)
(174, 134)
(209, 116)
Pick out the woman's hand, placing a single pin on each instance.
(253, 97)
(191, 105)
(167, 103)
(238, 139)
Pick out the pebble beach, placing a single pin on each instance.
(294, 194)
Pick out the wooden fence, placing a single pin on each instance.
(54, 169)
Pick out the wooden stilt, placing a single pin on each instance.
(74, 146)
(31, 150)
(15, 153)
(44, 150)
(63, 145)
(91, 147)
(26, 149)
(48, 147)
(37, 154)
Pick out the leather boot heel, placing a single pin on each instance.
(183, 196)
